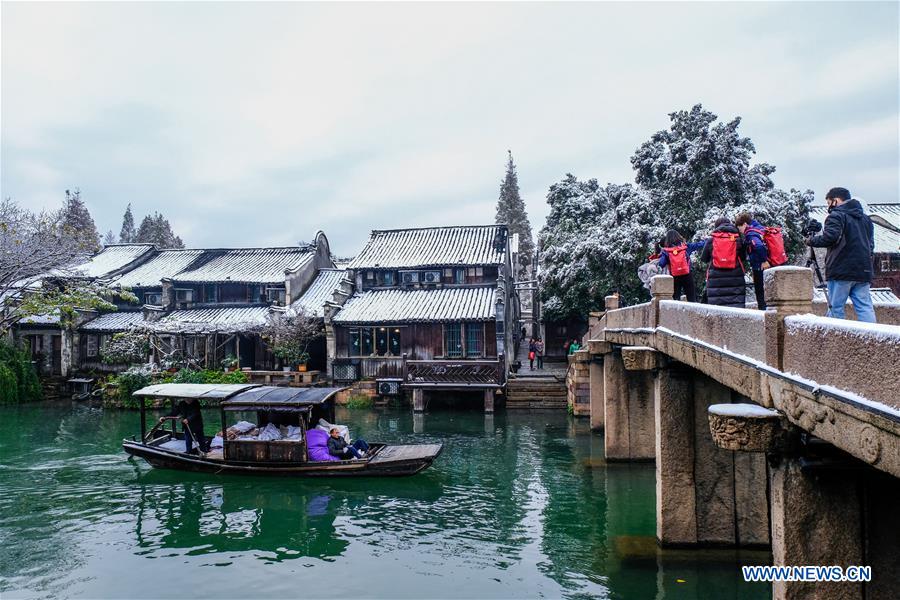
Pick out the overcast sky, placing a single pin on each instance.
(258, 124)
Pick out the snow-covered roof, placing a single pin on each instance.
(51, 318)
(116, 321)
(879, 296)
(422, 305)
(433, 247)
(168, 263)
(112, 258)
(230, 319)
(887, 237)
(245, 265)
(319, 291)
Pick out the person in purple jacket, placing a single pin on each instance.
(679, 263)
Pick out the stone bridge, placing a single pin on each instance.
(772, 428)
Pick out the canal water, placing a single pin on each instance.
(518, 505)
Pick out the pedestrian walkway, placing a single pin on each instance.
(540, 388)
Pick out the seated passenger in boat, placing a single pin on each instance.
(192, 421)
(338, 446)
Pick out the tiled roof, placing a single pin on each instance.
(245, 265)
(887, 240)
(51, 318)
(879, 296)
(112, 258)
(116, 321)
(319, 292)
(433, 247)
(207, 320)
(167, 263)
(422, 305)
(889, 211)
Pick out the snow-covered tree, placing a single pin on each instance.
(110, 238)
(687, 176)
(155, 229)
(696, 165)
(511, 211)
(77, 218)
(128, 234)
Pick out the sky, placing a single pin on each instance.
(251, 124)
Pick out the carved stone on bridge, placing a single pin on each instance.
(747, 428)
(662, 287)
(640, 358)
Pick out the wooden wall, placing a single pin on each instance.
(420, 341)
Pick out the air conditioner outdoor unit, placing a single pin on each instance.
(409, 277)
(388, 387)
(432, 276)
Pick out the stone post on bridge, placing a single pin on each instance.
(789, 291)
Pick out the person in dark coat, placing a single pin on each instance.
(188, 410)
(338, 446)
(849, 236)
(725, 287)
(757, 253)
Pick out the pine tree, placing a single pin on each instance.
(109, 238)
(156, 229)
(77, 220)
(128, 234)
(511, 211)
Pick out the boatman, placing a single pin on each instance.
(192, 421)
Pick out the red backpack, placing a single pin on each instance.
(724, 249)
(775, 245)
(678, 261)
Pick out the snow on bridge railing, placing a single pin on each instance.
(860, 357)
(630, 317)
(739, 330)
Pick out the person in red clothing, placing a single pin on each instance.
(676, 254)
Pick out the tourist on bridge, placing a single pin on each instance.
(676, 254)
(725, 276)
(764, 247)
(849, 236)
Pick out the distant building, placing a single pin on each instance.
(201, 304)
(432, 307)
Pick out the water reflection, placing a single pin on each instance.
(518, 505)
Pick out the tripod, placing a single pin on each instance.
(813, 262)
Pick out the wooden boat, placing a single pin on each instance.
(301, 407)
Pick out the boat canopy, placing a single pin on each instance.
(211, 391)
(279, 398)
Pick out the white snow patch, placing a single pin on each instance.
(709, 310)
(751, 411)
(886, 334)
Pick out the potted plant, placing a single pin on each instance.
(289, 335)
(229, 363)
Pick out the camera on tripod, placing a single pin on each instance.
(812, 227)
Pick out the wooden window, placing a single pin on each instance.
(388, 278)
(184, 295)
(275, 295)
(365, 342)
(354, 348)
(93, 343)
(453, 347)
(460, 276)
(370, 275)
(394, 342)
(381, 341)
(474, 340)
(209, 293)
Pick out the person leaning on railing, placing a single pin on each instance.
(849, 236)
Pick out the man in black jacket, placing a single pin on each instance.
(192, 422)
(849, 236)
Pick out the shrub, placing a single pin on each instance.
(9, 387)
(129, 382)
(360, 401)
(24, 385)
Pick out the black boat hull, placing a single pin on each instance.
(389, 461)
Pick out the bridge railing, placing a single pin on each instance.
(739, 330)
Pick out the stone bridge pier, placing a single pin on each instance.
(752, 447)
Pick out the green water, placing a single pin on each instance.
(518, 505)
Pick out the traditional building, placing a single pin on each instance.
(427, 308)
(199, 304)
